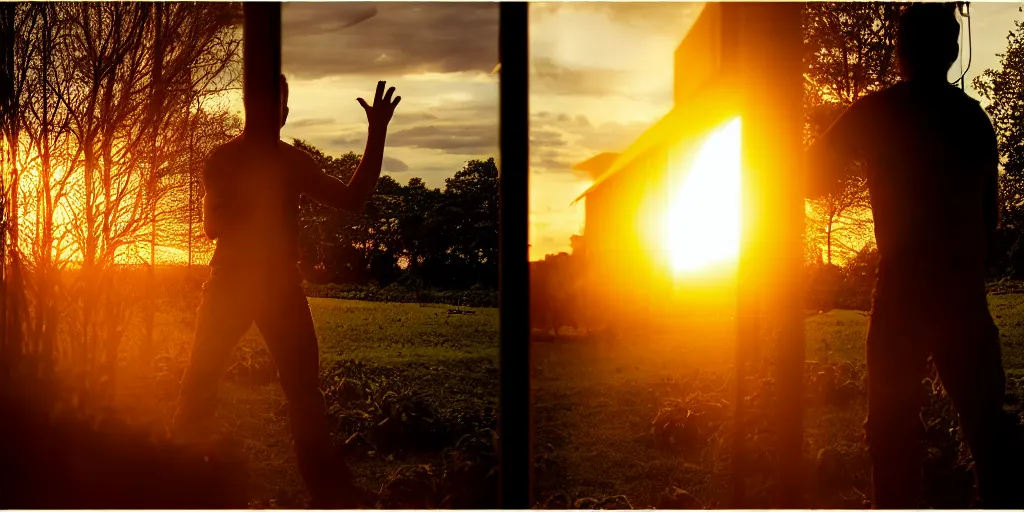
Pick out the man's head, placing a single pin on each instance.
(927, 41)
(284, 100)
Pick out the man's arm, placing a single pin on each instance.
(352, 196)
(829, 157)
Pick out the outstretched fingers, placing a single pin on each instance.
(377, 96)
(395, 104)
(363, 104)
(387, 97)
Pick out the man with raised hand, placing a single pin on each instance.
(251, 209)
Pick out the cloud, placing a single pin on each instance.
(662, 17)
(474, 139)
(548, 76)
(391, 164)
(311, 122)
(546, 137)
(466, 139)
(552, 160)
(559, 141)
(388, 39)
(415, 116)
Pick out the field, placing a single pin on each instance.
(432, 373)
(612, 417)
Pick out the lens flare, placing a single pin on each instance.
(703, 224)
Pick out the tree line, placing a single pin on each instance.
(411, 235)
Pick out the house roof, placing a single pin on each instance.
(596, 165)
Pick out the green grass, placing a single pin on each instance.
(419, 348)
(595, 399)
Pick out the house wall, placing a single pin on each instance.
(626, 279)
(620, 265)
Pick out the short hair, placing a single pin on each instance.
(928, 35)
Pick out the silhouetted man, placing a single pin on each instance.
(251, 210)
(928, 152)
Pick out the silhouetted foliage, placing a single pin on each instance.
(1001, 87)
(843, 287)
(849, 51)
(555, 294)
(410, 235)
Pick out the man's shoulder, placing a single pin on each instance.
(885, 96)
(873, 104)
(227, 150)
(296, 153)
(298, 160)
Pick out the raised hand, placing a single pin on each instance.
(379, 114)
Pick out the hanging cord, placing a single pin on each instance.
(965, 12)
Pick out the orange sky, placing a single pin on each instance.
(601, 73)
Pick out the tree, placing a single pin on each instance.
(849, 52)
(841, 222)
(99, 105)
(1001, 89)
(418, 221)
(424, 237)
(187, 60)
(472, 197)
(332, 242)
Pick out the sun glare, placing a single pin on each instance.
(703, 224)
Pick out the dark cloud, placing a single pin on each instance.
(551, 151)
(550, 160)
(546, 137)
(391, 164)
(311, 122)
(662, 17)
(462, 139)
(414, 116)
(466, 139)
(548, 76)
(386, 39)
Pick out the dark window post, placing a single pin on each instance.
(771, 54)
(513, 285)
(261, 56)
(784, 28)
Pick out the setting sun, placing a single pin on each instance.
(703, 224)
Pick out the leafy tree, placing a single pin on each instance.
(327, 236)
(380, 231)
(1001, 88)
(408, 233)
(849, 52)
(472, 199)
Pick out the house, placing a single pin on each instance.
(628, 263)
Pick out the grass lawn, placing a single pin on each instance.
(594, 401)
(447, 362)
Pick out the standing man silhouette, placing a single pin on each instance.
(251, 210)
(929, 154)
